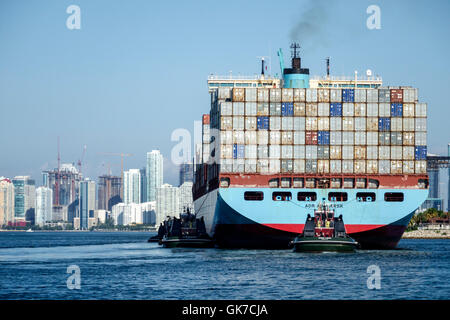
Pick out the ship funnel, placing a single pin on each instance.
(296, 77)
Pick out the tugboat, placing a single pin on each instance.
(186, 231)
(324, 232)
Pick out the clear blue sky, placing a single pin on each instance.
(137, 69)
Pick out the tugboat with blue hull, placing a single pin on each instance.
(187, 231)
(324, 232)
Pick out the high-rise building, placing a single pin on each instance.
(132, 186)
(134, 213)
(87, 202)
(154, 173)
(143, 185)
(44, 205)
(108, 192)
(186, 173)
(68, 179)
(186, 200)
(24, 198)
(6, 201)
(167, 202)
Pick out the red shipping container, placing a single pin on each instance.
(397, 95)
(311, 137)
(206, 119)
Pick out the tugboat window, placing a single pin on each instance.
(282, 196)
(365, 196)
(337, 196)
(393, 197)
(306, 196)
(254, 195)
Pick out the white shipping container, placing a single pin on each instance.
(287, 137)
(299, 123)
(263, 137)
(274, 137)
(250, 123)
(251, 151)
(238, 108)
(335, 95)
(311, 124)
(323, 123)
(421, 110)
(372, 95)
(299, 95)
(250, 137)
(347, 166)
(360, 95)
(311, 152)
(299, 166)
(311, 95)
(250, 165)
(397, 124)
(360, 138)
(226, 151)
(323, 109)
(336, 152)
(384, 166)
(372, 152)
(238, 137)
(335, 138)
(410, 95)
(360, 109)
(408, 124)
(408, 138)
(408, 166)
(360, 124)
(262, 151)
(348, 138)
(420, 167)
(263, 95)
(384, 109)
(275, 95)
(238, 123)
(396, 167)
(323, 95)
(226, 123)
(274, 151)
(335, 166)
(384, 152)
(238, 165)
(348, 109)
(274, 166)
(421, 139)
(250, 109)
(396, 153)
(311, 109)
(347, 152)
(335, 123)
(372, 138)
(359, 166)
(274, 123)
(299, 137)
(408, 153)
(287, 95)
(287, 123)
(360, 153)
(372, 166)
(372, 124)
(408, 109)
(250, 94)
(287, 152)
(226, 137)
(420, 124)
(262, 166)
(299, 109)
(348, 123)
(372, 109)
(226, 165)
(226, 108)
(323, 166)
(299, 152)
(224, 93)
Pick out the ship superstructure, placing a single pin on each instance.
(276, 148)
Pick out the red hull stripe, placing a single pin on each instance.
(298, 228)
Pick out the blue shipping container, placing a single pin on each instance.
(420, 153)
(238, 151)
(287, 109)
(263, 123)
(323, 137)
(384, 124)
(396, 110)
(336, 109)
(348, 95)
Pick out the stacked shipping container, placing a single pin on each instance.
(320, 130)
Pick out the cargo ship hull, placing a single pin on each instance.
(238, 223)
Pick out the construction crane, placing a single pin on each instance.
(122, 155)
(80, 161)
(57, 178)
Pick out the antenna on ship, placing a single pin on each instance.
(328, 67)
(262, 66)
(295, 53)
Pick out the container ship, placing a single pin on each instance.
(274, 148)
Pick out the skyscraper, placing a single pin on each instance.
(186, 173)
(87, 202)
(24, 198)
(143, 185)
(108, 192)
(132, 186)
(6, 201)
(186, 200)
(167, 202)
(44, 205)
(154, 173)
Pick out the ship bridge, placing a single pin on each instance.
(345, 82)
(233, 81)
